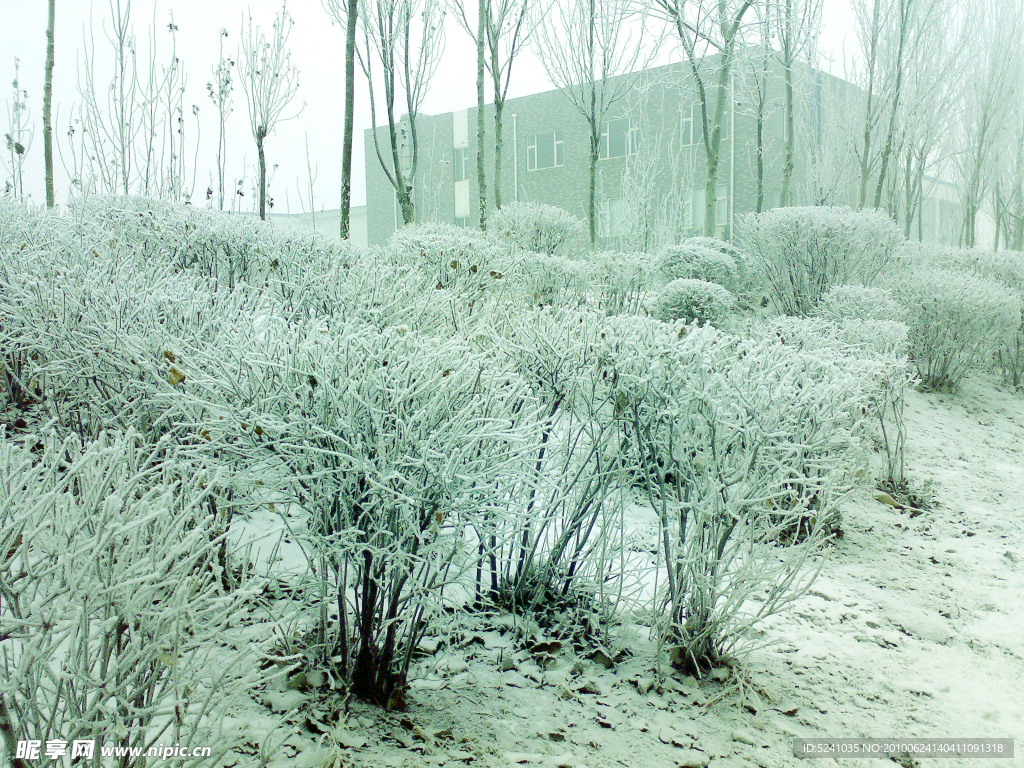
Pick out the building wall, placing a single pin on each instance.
(656, 182)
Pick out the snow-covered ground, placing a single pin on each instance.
(915, 628)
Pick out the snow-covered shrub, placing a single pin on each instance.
(698, 261)
(540, 280)
(539, 228)
(691, 300)
(286, 260)
(858, 302)
(875, 351)
(955, 321)
(393, 444)
(554, 547)
(879, 339)
(621, 280)
(738, 441)
(1005, 268)
(98, 333)
(113, 623)
(797, 254)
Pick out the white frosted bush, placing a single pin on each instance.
(693, 300)
(621, 280)
(875, 352)
(539, 228)
(797, 254)
(955, 322)
(699, 261)
(738, 442)
(879, 339)
(394, 444)
(1003, 267)
(113, 623)
(858, 302)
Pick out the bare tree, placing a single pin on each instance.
(987, 93)
(346, 13)
(870, 18)
(111, 125)
(591, 50)
(47, 103)
(270, 82)
(18, 138)
(405, 39)
(219, 90)
(504, 30)
(796, 25)
(708, 31)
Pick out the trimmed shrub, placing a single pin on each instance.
(1006, 268)
(621, 280)
(540, 228)
(693, 301)
(698, 261)
(955, 322)
(797, 254)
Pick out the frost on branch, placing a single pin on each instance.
(698, 259)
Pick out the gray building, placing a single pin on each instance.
(651, 175)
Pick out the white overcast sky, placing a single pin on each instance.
(317, 47)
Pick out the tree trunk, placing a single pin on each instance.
(713, 147)
(260, 135)
(499, 107)
(47, 101)
(481, 137)
(350, 104)
(760, 159)
(595, 149)
(789, 162)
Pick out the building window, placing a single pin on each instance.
(618, 137)
(462, 221)
(613, 218)
(694, 212)
(544, 150)
(692, 123)
(462, 164)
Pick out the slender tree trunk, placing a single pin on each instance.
(481, 137)
(790, 161)
(595, 149)
(869, 114)
(350, 105)
(713, 147)
(263, 172)
(908, 195)
(47, 101)
(499, 107)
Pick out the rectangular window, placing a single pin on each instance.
(692, 123)
(618, 137)
(462, 164)
(462, 221)
(613, 218)
(544, 150)
(696, 207)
